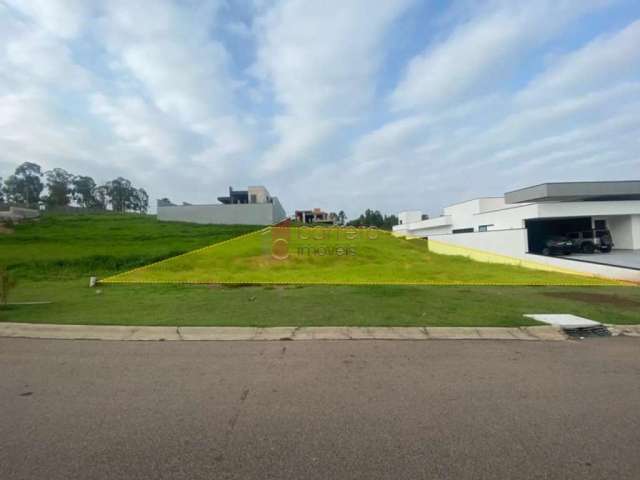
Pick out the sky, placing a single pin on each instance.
(339, 104)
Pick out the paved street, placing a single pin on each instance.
(319, 410)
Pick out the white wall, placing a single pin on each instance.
(507, 217)
(512, 243)
(235, 214)
(621, 230)
(261, 194)
(410, 216)
(635, 229)
(427, 232)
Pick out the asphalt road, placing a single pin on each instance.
(325, 410)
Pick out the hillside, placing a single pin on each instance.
(72, 246)
(336, 256)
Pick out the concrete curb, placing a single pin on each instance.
(94, 332)
(626, 330)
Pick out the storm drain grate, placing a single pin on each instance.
(583, 332)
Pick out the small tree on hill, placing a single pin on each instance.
(59, 186)
(83, 190)
(25, 186)
(373, 218)
(119, 192)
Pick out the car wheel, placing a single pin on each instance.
(587, 248)
(546, 252)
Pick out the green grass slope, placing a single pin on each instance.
(336, 256)
(72, 246)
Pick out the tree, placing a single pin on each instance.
(83, 191)
(119, 192)
(59, 186)
(373, 218)
(101, 196)
(342, 217)
(1, 191)
(142, 200)
(25, 186)
(138, 201)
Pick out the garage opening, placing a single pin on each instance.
(540, 229)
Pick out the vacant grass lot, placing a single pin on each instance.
(53, 258)
(71, 246)
(336, 256)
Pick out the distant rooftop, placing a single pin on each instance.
(576, 191)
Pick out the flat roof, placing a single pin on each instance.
(576, 191)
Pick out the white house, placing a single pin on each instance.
(517, 223)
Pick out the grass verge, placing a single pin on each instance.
(75, 303)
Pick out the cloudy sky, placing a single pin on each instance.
(340, 104)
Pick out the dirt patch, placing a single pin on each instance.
(5, 230)
(594, 298)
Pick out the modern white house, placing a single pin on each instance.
(254, 206)
(516, 224)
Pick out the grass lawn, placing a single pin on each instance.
(71, 246)
(53, 258)
(75, 302)
(336, 256)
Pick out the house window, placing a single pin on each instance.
(253, 198)
(484, 228)
(462, 230)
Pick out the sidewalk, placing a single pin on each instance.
(85, 332)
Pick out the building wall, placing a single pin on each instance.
(278, 211)
(474, 213)
(442, 245)
(635, 228)
(235, 214)
(426, 232)
(411, 216)
(507, 218)
(621, 230)
(505, 242)
(261, 194)
(19, 213)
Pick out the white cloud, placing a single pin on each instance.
(60, 18)
(479, 53)
(320, 60)
(168, 51)
(30, 130)
(158, 91)
(610, 56)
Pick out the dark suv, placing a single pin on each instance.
(557, 245)
(588, 241)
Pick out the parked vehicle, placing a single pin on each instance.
(588, 241)
(557, 245)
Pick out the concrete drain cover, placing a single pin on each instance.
(599, 331)
(574, 326)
